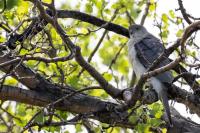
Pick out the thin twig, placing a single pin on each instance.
(116, 56)
(114, 92)
(145, 13)
(94, 51)
(183, 11)
(100, 41)
(21, 23)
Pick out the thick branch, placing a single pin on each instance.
(37, 25)
(93, 20)
(187, 33)
(190, 100)
(177, 94)
(29, 77)
(79, 103)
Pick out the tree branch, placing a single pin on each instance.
(183, 11)
(114, 92)
(93, 20)
(145, 13)
(79, 103)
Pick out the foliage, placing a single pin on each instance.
(110, 59)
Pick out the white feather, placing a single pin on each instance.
(139, 69)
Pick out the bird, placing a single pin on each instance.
(143, 49)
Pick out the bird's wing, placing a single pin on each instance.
(148, 50)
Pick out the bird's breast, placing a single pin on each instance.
(138, 68)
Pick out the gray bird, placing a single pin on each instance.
(143, 50)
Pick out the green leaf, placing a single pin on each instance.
(78, 128)
(158, 114)
(143, 128)
(21, 110)
(155, 122)
(88, 8)
(133, 118)
(179, 33)
(116, 5)
(123, 65)
(53, 68)
(172, 14)
(22, 8)
(164, 17)
(97, 92)
(54, 129)
(31, 63)
(39, 118)
(24, 51)
(113, 130)
(47, 1)
(165, 34)
(2, 39)
(63, 114)
(42, 66)
(152, 7)
(73, 80)
(3, 128)
(164, 130)
(1, 4)
(11, 3)
(179, 21)
(10, 81)
(107, 76)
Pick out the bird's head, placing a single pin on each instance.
(137, 31)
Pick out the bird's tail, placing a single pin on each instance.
(164, 99)
(161, 89)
